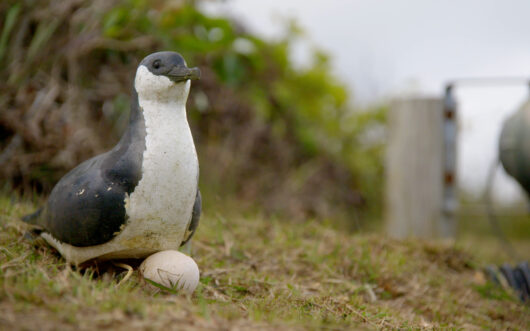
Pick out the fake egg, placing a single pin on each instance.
(171, 270)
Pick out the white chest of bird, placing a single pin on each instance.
(170, 171)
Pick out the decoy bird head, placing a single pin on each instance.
(164, 75)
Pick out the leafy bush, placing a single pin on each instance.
(279, 138)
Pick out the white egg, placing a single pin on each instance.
(171, 269)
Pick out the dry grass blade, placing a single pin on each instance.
(129, 272)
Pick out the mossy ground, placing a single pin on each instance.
(258, 273)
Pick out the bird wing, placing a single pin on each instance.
(195, 216)
(85, 208)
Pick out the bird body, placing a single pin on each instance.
(142, 196)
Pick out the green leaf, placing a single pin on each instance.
(9, 23)
(44, 32)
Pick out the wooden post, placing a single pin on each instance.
(415, 165)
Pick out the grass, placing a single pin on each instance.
(477, 236)
(258, 273)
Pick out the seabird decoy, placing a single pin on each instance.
(142, 196)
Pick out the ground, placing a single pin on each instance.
(258, 273)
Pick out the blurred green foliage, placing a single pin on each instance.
(276, 106)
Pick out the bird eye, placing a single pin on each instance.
(156, 64)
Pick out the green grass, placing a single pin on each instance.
(476, 235)
(257, 273)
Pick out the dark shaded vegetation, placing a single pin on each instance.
(269, 135)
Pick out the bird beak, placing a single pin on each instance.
(181, 74)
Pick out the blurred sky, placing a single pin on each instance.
(398, 47)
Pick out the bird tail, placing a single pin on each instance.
(33, 218)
